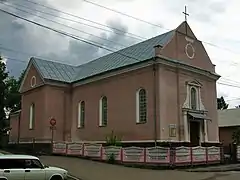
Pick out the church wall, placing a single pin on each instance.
(210, 96)
(27, 81)
(176, 49)
(121, 94)
(168, 99)
(59, 107)
(168, 102)
(38, 97)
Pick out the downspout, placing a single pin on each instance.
(19, 117)
(64, 115)
(178, 106)
(178, 92)
(155, 100)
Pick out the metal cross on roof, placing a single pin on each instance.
(185, 13)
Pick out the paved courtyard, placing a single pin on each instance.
(90, 170)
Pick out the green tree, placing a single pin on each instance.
(236, 136)
(3, 92)
(13, 97)
(221, 104)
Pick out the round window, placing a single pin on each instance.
(190, 51)
(33, 81)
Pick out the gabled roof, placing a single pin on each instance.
(229, 117)
(55, 71)
(134, 54)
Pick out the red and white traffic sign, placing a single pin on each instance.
(53, 122)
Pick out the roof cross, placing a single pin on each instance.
(185, 13)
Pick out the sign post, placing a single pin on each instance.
(53, 123)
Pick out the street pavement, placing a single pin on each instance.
(92, 170)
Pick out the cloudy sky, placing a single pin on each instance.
(215, 22)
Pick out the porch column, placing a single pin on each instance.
(185, 121)
(205, 130)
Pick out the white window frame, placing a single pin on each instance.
(31, 115)
(79, 114)
(100, 111)
(137, 104)
(197, 96)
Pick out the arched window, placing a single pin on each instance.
(81, 114)
(32, 116)
(141, 106)
(103, 114)
(193, 98)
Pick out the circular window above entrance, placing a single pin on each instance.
(33, 81)
(189, 50)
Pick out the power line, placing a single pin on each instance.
(67, 34)
(236, 82)
(124, 14)
(65, 25)
(94, 22)
(87, 42)
(222, 83)
(29, 54)
(147, 22)
(235, 99)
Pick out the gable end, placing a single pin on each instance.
(35, 80)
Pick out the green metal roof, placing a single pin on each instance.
(128, 56)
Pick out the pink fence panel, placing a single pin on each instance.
(238, 153)
(109, 150)
(158, 155)
(93, 150)
(214, 154)
(199, 154)
(75, 149)
(59, 148)
(183, 155)
(133, 154)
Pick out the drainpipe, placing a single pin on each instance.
(178, 106)
(19, 120)
(155, 100)
(64, 115)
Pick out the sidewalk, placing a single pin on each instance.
(218, 168)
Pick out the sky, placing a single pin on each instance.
(215, 24)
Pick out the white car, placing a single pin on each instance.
(24, 167)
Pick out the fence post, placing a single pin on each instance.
(222, 159)
(234, 153)
(206, 155)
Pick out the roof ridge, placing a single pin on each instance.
(122, 50)
(127, 47)
(52, 61)
(133, 54)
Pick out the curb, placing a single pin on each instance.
(215, 170)
(73, 177)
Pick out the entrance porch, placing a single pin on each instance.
(195, 127)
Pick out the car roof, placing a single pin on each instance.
(13, 156)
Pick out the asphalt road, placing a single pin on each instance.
(91, 170)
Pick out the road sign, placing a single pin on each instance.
(53, 128)
(53, 122)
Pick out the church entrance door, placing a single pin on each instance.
(195, 133)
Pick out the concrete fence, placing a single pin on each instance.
(178, 156)
(238, 153)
